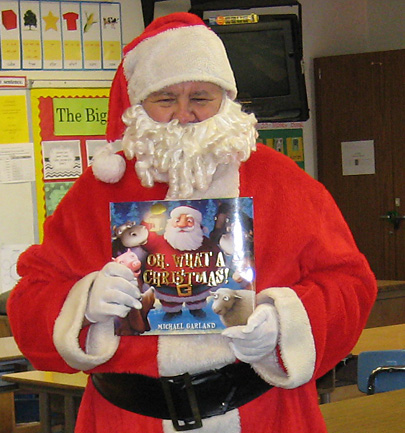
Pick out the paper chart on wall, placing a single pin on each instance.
(30, 24)
(13, 118)
(17, 163)
(91, 35)
(71, 35)
(51, 35)
(60, 35)
(111, 35)
(10, 35)
(61, 159)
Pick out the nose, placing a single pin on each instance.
(182, 223)
(184, 113)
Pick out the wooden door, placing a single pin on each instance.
(361, 97)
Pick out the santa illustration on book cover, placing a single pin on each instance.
(193, 261)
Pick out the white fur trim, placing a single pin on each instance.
(178, 354)
(101, 342)
(193, 53)
(296, 342)
(107, 166)
(227, 423)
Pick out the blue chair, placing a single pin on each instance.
(381, 371)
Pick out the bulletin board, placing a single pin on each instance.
(68, 127)
(286, 138)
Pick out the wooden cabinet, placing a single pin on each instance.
(361, 97)
(389, 307)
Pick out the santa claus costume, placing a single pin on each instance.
(307, 266)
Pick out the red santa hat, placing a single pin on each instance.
(172, 49)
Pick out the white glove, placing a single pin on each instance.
(114, 292)
(258, 338)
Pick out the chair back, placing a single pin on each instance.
(381, 371)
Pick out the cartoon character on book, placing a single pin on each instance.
(129, 235)
(182, 264)
(238, 255)
(136, 322)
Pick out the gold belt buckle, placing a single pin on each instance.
(184, 289)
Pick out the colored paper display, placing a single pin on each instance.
(60, 35)
(286, 138)
(68, 128)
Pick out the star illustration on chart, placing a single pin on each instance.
(51, 21)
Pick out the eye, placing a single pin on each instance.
(200, 100)
(226, 298)
(165, 101)
(216, 296)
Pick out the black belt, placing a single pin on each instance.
(185, 399)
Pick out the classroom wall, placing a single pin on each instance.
(330, 27)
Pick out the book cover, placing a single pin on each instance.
(193, 261)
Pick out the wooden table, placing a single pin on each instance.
(10, 353)
(9, 349)
(381, 338)
(378, 413)
(46, 383)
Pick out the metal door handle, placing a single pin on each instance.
(394, 218)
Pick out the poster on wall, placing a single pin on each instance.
(91, 32)
(64, 122)
(30, 25)
(10, 53)
(51, 35)
(111, 35)
(286, 138)
(72, 35)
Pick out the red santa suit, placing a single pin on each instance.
(307, 263)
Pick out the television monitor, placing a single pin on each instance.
(266, 58)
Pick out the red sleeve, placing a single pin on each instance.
(303, 242)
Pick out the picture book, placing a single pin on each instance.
(192, 260)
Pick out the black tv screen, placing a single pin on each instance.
(266, 58)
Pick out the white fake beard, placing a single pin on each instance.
(187, 156)
(189, 239)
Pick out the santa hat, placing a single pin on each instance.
(173, 49)
(187, 210)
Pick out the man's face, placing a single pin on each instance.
(189, 102)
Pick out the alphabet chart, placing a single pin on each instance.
(60, 35)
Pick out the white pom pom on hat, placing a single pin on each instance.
(108, 166)
(172, 49)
